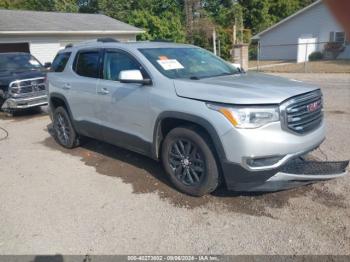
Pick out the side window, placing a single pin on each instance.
(60, 61)
(115, 61)
(340, 37)
(88, 64)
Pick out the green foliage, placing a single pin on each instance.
(166, 19)
(314, 56)
(88, 6)
(165, 27)
(256, 14)
(41, 5)
(280, 9)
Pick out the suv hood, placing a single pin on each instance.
(250, 88)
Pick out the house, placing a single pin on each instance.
(308, 30)
(44, 33)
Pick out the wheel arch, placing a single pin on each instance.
(179, 119)
(56, 100)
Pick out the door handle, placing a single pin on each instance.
(103, 91)
(67, 86)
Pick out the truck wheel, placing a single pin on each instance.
(1, 102)
(64, 132)
(189, 161)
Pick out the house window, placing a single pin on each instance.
(338, 37)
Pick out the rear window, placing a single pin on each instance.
(88, 64)
(60, 61)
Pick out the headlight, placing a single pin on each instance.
(248, 117)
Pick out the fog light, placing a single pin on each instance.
(263, 161)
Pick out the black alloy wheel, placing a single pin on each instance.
(64, 132)
(187, 162)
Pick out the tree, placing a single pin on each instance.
(256, 14)
(165, 27)
(41, 5)
(88, 6)
(280, 9)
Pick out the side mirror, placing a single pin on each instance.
(133, 76)
(238, 66)
(47, 65)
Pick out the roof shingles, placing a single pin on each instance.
(20, 20)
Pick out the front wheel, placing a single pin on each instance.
(189, 161)
(64, 132)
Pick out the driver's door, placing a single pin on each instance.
(123, 107)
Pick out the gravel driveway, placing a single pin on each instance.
(100, 199)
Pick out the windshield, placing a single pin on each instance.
(18, 62)
(193, 63)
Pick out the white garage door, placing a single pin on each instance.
(44, 52)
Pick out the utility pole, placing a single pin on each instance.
(214, 41)
(234, 34)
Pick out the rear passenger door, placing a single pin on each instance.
(82, 88)
(123, 108)
(57, 73)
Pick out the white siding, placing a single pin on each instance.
(44, 52)
(44, 48)
(315, 22)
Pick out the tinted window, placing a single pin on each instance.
(114, 62)
(18, 62)
(60, 61)
(87, 64)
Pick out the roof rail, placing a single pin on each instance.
(89, 42)
(107, 40)
(162, 40)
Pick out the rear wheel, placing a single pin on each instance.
(64, 132)
(2, 100)
(189, 161)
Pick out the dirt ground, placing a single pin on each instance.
(325, 66)
(100, 199)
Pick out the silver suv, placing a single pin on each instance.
(207, 121)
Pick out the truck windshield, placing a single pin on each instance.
(193, 63)
(18, 62)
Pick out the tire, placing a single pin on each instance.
(63, 130)
(199, 174)
(2, 101)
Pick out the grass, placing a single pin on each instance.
(324, 66)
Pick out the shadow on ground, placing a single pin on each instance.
(24, 115)
(147, 176)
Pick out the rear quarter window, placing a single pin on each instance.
(87, 63)
(60, 62)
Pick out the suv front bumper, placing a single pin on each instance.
(294, 173)
(24, 103)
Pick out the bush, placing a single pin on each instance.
(253, 52)
(314, 56)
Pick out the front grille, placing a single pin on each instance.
(28, 86)
(303, 114)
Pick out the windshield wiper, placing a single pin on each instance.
(194, 78)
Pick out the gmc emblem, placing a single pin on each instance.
(314, 106)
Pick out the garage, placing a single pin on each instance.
(43, 34)
(14, 47)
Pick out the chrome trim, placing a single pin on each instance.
(281, 176)
(15, 102)
(281, 162)
(299, 100)
(28, 93)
